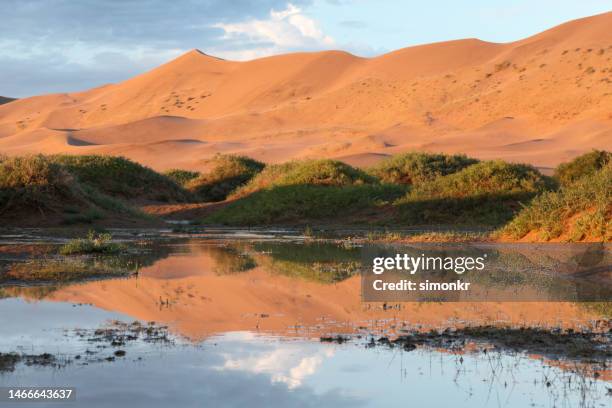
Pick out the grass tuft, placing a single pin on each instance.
(92, 244)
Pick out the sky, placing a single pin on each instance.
(49, 46)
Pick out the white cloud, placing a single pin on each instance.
(284, 30)
(287, 365)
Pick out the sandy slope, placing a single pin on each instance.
(543, 100)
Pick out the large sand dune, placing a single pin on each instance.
(542, 100)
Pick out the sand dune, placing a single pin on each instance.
(542, 100)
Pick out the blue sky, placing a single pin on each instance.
(385, 25)
(64, 45)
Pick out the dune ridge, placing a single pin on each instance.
(541, 100)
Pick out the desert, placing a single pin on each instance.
(236, 204)
(541, 100)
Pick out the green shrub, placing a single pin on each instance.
(300, 203)
(314, 172)
(122, 178)
(581, 166)
(39, 185)
(323, 172)
(581, 209)
(227, 173)
(418, 168)
(265, 178)
(487, 193)
(35, 183)
(92, 244)
(109, 203)
(181, 177)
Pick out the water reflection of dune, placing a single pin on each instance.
(201, 288)
(198, 306)
(210, 259)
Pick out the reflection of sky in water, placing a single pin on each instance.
(244, 369)
(38, 326)
(280, 361)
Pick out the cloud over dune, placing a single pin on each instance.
(282, 31)
(62, 45)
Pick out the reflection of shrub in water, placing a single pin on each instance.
(53, 269)
(548, 273)
(69, 269)
(319, 262)
(149, 253)
(539, 271)
(323, 272)
(604, 309)
(552, 277)
(29, 292)
(231, 260)
(309, 251)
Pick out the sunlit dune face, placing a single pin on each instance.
(541, 100)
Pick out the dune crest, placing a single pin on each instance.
(542, 100)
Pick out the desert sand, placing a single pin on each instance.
(541, 100)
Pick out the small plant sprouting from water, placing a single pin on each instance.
(92, 244)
